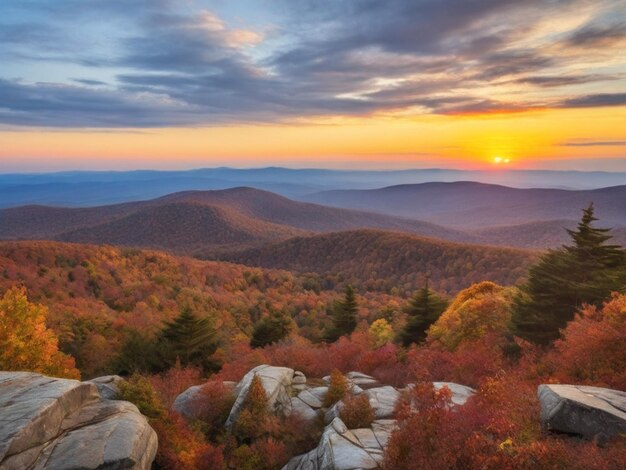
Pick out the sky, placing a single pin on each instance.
(123, 84)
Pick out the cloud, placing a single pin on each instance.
(592, 143)
(170, 63)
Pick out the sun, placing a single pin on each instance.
(500, 160)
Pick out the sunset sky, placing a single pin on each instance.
(120, 84)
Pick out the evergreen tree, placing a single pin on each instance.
(585, 272)
(190, 339)
(270, 329)
(424, 308)
(344, 317)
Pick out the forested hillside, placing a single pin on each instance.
(98, 296)
(200, 221)
(390, 261)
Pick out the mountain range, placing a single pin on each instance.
(90, 188)
(470, 205)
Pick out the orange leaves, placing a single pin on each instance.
(592, 350)
(25, 341)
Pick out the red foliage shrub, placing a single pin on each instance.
(592, 350)
(174, 381)
(181, 447)
(357, 412)
(498, 428)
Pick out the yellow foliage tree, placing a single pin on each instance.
(476, 311)
(380, 333)
(25, 342)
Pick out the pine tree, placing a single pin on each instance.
(344, 317)
(270, 329)
(190, 339)
(424, 308)
(585, 272)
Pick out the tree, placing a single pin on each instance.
(424, 309)
(190, 339)
(380, 333)
(585, 272)
(25, 341)
(475, 312)
(270, 329)
(344, 317)
(254, 420)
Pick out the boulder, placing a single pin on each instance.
(277, 382)
(108, 386)
(343, 449)
(184, 403)
(303, 410)
(65, 424)
(298, 378)
(311, 399)
(363, 381)
(591, 412)
(383, 401)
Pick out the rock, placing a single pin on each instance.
(343, 449)
(277, 384)
(298, 378)
(50, 423)
(383, 401)
(318, 392)
(591, 412)
(311, 399)
(362, 380)
(460, 393)
(108, 386)
(186, 403)
(303, 410)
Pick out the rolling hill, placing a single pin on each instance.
(378, 260)
(200, 220)
(470, 205)
(538, 235)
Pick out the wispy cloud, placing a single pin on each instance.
(592, 143)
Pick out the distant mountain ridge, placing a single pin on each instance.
(199, 220)
(470, 205)
(91, 188)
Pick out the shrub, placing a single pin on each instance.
(592, 349)
(139, 390)
(357, 412)
(337, 388)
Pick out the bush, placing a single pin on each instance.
(592, 349)
(357, 412)
(139, 390)
(337, 388)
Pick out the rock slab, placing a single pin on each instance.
(591, 412)
(51, 423)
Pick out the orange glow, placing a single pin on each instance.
(375, 142)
